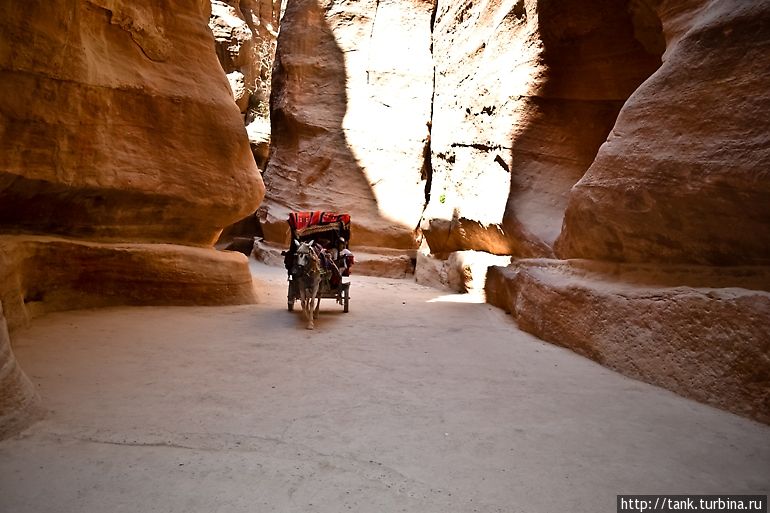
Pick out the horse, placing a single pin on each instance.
(308, 276)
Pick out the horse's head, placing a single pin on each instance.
(305, 256)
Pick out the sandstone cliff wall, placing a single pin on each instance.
(677, 190)
(122, 157)
(350, 106)
(683, 175)
(526, 92)
(245, 32)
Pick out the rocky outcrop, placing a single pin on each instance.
(351, 100)
(701, 332)
(98, 274)
(245, 32)
(122, 157)
(18, 399)
(117, 125)
(683, 176)
(667, 165)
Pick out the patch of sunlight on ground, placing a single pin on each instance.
(470, 297)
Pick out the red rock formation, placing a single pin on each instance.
(245, 32)
(116, 124)
(661, 325)
(525, 94)
(120, 147)
(683, 176)
(679, 180)
(351, 100)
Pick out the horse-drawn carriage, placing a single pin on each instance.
(318, 260)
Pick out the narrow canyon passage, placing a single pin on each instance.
(414, 401)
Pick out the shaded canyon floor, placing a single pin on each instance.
(414, 401)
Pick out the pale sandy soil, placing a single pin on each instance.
(410, 402)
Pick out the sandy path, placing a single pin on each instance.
(407, 403)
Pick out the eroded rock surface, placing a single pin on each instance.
(525, 93)
(245, 32)
(701, 332)
(683, 175)
(668, 164)
(122, 157)
(351, 102)
(112, 135)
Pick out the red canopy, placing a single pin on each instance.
(301, 220)
(306, 224)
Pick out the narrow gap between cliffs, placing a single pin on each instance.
(426, 173)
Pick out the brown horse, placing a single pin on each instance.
(308, 281)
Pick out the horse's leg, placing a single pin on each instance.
(317, 295)
(308, 309)
(310, 324)
(303, 299)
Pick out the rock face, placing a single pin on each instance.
(678, 182)
(683, 176)
(122, 157)
(245, 32)
(701, 332)
(350, 112)
(525, 94)
(117, 125)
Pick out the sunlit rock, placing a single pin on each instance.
(350, 110)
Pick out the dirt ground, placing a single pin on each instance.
(414, 401)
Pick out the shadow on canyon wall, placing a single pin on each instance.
(596, 54)
(312, 165)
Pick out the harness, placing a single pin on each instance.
(311, 270)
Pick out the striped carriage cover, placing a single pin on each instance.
(305, 223)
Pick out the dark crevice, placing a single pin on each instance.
(371, 34)
(502, 163)
(478, 146)
(426, 173)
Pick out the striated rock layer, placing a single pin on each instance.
(351, 100)
(117, 124)
(120, 147)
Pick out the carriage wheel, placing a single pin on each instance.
(346, 306)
